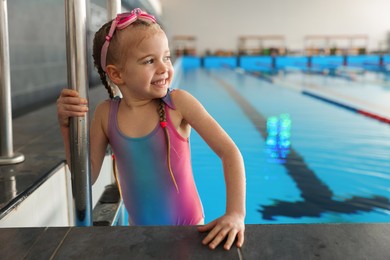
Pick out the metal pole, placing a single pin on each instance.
(114, 7)
(7, 155)
(76, 46)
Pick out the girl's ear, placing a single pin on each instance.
(114, 74)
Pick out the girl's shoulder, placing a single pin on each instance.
(177, 95)
(104, 105)
(182, 99)
(102, 109)
(101, 114)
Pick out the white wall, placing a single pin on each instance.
(51, 204)
(48, 205)
(217, 24)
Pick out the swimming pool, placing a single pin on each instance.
(336, 166)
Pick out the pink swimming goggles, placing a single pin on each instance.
(121, 22)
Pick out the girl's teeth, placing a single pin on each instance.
(161, 82)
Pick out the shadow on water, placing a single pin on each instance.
(317, 197)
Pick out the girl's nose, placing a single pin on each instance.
(162, 68)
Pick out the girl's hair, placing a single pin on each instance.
(98, 41)
(113, 55)
(114, 52)
(163, 120)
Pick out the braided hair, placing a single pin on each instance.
(98, 41)
(163, 123)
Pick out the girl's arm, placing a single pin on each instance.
(230, 225)
(69, 104)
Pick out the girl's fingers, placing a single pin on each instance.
(72, 110)
(219, 230)
(70, 96)
(218, 238)
(210, 236)
(75, 108)
(66, 111)
(69, 104)
(69, 92)
(240, 239)
(72, 100)
(230, 239)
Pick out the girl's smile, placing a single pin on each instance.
(160, 83)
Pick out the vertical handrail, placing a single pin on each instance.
(114, 7)
(7, 155)
(76, 46)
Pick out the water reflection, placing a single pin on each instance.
(278, 137)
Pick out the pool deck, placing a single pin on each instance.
(37, 136)
(303, 241)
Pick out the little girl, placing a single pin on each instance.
(148, 130)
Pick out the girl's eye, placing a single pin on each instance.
(150, 61)
(167, 58)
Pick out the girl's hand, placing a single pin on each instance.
(70, 104)
(227, 226)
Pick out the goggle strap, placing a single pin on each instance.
(122, 21)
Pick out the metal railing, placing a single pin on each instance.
(7, 155)
(114, 7)
(76, 45)
(76, 48)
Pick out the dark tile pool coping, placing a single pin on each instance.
(298, 241)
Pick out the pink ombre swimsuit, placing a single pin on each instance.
(148, 191)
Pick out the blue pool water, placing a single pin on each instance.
(337, 167)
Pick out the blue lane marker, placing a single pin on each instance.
(304, 92)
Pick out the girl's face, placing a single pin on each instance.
(148, 71)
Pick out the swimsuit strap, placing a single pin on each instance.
(168, 99)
